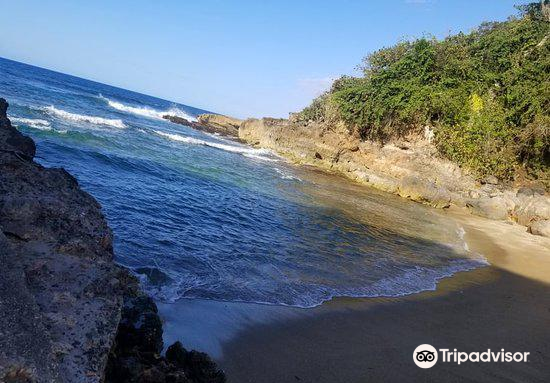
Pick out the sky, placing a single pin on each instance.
(242, 58)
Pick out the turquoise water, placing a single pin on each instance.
(199, 216)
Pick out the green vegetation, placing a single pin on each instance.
(486, 94)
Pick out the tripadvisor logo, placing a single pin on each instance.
(426, 356)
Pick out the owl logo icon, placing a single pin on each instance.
(425, 356)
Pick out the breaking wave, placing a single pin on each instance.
(52, 110)
(35, 123)
(146, 111)
(261, 154)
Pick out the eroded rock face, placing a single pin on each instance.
(61, 294)
(63, 301)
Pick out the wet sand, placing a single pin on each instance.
(505, 305)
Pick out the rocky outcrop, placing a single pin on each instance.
(228, 126)
(210, 123)
(61, 294)
(409, 167)
(136, 356)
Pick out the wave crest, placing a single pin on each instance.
(52, 110)
(260, 154)
(146, 111)
(35, 123)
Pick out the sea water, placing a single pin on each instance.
(198, 216)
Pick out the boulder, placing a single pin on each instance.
(541, 228)
(137, 354)
(197, 365)
(494, 208)
(532, 209)
(424, 191)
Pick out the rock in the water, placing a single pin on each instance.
(211, 123)
(223, 124)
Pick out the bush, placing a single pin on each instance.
(487, 93)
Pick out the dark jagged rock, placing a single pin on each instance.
(60, 293)
(197, 365)
(11, 141)
(63, 301)
(136, 356)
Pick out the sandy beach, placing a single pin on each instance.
(502, 306)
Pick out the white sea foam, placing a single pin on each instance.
(146, 111)
(260, 154)
(52, 110)
(461, 232)
(286, 175)
(35, 123)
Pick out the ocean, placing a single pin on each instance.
(199, 216)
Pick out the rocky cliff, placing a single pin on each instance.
(409, 167)
(67, 311)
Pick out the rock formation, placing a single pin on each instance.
(63, 301)
(409, 167)
(210, 123)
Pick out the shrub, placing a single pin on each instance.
(486, 92)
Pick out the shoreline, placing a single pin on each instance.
(372, 339)
(408, 167)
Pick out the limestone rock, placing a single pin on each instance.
(541, 228)
(532, 209)
(424, 191)
(494, 208)
(223, 124)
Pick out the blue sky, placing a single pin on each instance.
(242, 58)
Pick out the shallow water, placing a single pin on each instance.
(199, 216)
